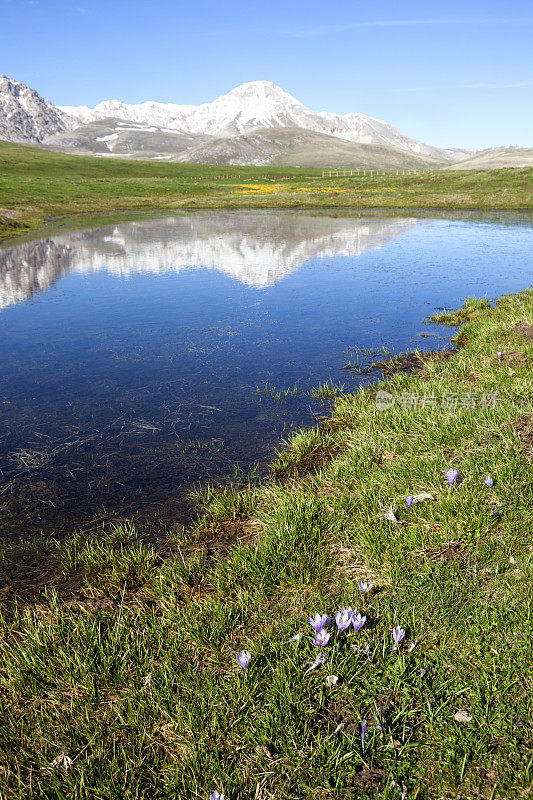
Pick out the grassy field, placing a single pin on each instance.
(125, 683)
(36, 184)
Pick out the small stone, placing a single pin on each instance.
(462, 716)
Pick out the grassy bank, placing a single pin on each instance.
(127, 685)
(36, 184)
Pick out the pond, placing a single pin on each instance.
(143, 358)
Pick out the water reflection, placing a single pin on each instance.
(139, 368)
(257, 250)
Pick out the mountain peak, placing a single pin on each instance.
(25, 116)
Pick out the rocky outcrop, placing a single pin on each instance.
(27, 117)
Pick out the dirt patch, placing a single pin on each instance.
(524, 428)
(227, 536)
(513, 358)
(370, 778)
(450, 552)
(25, 583)
(523, 329)
(338, 712)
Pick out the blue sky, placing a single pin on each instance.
(454, 74)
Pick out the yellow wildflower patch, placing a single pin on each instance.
(246, 188)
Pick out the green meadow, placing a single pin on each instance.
(121, 679)
(37, 185)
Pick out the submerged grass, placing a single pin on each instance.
(141, 696)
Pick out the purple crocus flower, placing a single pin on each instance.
(499, 354)
(357, 621)
(409, 500)
(243, 658)
(451, 475)
(319, 621)
(364, 729)
(296, 637)
(489, 482)
(321, 638)
(343, 618)
(397, 635)
(320, 659)
(378, 720)
(216, 796)
(365, 587)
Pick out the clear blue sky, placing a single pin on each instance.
(451, 74)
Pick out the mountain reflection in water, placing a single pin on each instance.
(151, 355)
(257, 250)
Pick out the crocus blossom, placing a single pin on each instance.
(343, 618)
(320, 659)
(409, 500)
(243, 658)
(489, 482)
(451, 475)
(499, 354)
(319, 621)
(397, 635)
(216, 796)
(357, 621)
(321, 638)
(378, 719)
(331, 680)
(296, 637)
(365, 587)
(364, 729)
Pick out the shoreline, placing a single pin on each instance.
(36, 185)
(64, 223)
(453, 570)
(28, 228)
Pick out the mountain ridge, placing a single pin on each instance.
(253, 105)
(257, 123)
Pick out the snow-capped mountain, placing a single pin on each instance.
(25, 116)
(168, 131)
(259, 104)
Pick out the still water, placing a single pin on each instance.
(134, 357)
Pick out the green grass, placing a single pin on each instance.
(143, 694)
(36, 184)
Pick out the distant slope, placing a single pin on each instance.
(497, 157)
(294, 147)
(267, 146)
(116, 137)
